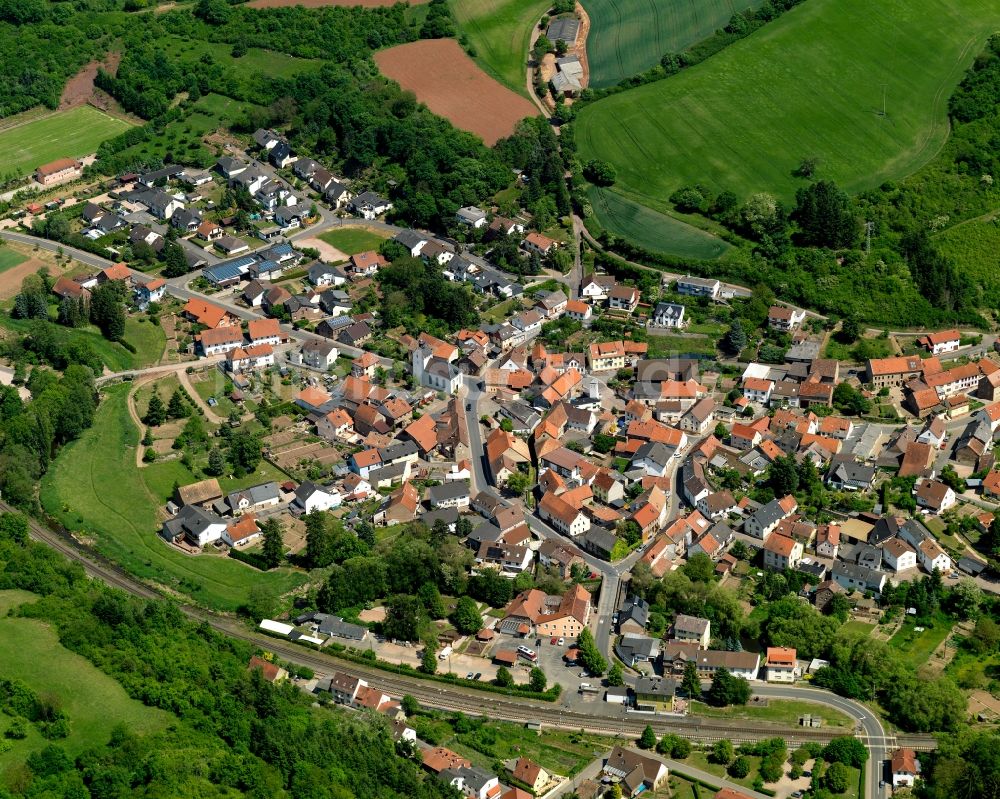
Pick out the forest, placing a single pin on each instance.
(233, 733)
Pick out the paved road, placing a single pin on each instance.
(54, 246)
(611, 576)
(880, 745)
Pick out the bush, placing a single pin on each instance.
(772, 768)
(847, 750)
(600, 173)
(722, 752)
(740, 767)
(837, 778)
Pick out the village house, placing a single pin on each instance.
(780, 317)
(780, 664)
(636, 773)
(934, 495)
(667, 314)
(311, 497)
(782, 552)
(623, 298)
(940, 343)
(904, 767)
(562, 516)
(59, 171)
(217, 341)
(693, 629)
(699, 287)
(762, 521)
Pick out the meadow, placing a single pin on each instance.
(630, 36)
(94, 702)
(124, 523)
(73, 133)
(809, 85)
(499, 32)
(352, 240)
(252, 64)
(148, 339)
(651, 229)
(973, 246)
(915, 647)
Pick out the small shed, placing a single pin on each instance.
(505, 657)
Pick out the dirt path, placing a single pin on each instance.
(134, 413)
(580, 48)
(529, 76)
(210, 414)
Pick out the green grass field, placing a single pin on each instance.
(651, 229)
(499, 32)
(630, 36)
(352, 240)
(94, 702)
(810, 84)
(973, 246)
(779, 710)
(916, 648)
(856, 628)
(148, 339)
(255, 60)
(667, 346)
(61, 134)
(10, 258)
(95, 487)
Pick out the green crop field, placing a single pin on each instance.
(95, 487)
(810, 84)
(974, 245)
(352, 240)
(93, 701)
(630, 36)
(651, 229)
(61, 134)
(10, 258)
(499, 32)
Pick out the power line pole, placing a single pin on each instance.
(869, 226)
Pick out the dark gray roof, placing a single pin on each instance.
(635, 609)
(655, 686)
(654, 451)
(632, 647)
(398, 449)
(453, 489)
(448, 515)
(410, 238)
(565, 28)
(769, 514)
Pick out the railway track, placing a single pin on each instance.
(604, 719)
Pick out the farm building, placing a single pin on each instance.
(564, 29)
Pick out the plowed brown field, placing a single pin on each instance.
(440, 73)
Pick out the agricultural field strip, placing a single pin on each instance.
(720, 122)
